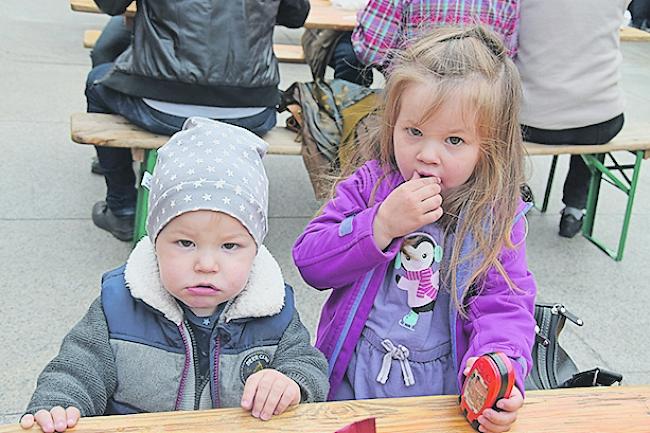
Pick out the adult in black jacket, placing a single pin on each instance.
(209, 58)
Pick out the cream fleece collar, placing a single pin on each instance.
(262, 296)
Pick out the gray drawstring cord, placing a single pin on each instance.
(401, 353)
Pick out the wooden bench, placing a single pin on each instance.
(284, 52)
(115, 131)
(619, 409)
(634, 139)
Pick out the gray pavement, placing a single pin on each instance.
(52, 257)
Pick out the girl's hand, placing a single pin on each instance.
(412, 205)
(269, 392)
(493, 421)
(56, 419)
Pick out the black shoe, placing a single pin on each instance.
(95, 167)
(569, 225)
(120, 227)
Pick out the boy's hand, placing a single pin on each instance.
(269, 392)
(56, 419)
(412, 205)
(492, 421)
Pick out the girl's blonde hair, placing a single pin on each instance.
(472, 65)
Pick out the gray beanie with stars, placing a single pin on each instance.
(210, 165)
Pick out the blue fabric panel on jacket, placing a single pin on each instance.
(132, 320)
(345, 228)
(262, 331)
(117, 408)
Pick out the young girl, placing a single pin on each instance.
(424, 245)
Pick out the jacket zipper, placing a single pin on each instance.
(197, 379)
(186, 368)
(215, 376)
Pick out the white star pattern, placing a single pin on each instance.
(199, 182)
(242, 208)
(190, 172)
(226, 200)
(207, 197)
(230, 173)
(220, 183)
(172, 203)
(210, 169)
(187, 198)
(179, 187)
(238, 190)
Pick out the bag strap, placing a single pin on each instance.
(594, 377)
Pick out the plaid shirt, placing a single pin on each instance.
(385, 25)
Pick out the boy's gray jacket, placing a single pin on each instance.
(134, 352)
(203, 52)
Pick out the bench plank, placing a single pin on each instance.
(115, 131)
(570, 410)
(632, 137)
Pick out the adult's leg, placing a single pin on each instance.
(346, 64)
(577, 181)
(640, 11)
(116, 213)
(258, 124)
(576, 184)
(114, 39)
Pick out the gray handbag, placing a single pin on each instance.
(552, 365)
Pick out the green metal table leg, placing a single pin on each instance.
(630, 192)
(146, 168)
(594, 190)
(549, 184)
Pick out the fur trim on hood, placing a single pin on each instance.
(262, 296)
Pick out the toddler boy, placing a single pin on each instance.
(199, 316)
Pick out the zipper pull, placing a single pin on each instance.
(561, 309)
(540, 338)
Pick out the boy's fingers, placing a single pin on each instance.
(59, 418)
(72, 414)
(27, 421)
(250, 387)
(287, 400)
(263, 389)
(44, 419)
(275, 394)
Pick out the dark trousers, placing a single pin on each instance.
(114, 39)
(346, 64)
(576, 185)
(117, 163)
(640, 11)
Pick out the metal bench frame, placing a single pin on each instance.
(615, 175)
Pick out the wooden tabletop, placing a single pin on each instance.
(325, 16)
(573, 410)
(321, 16)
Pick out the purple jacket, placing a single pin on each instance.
(337, 251)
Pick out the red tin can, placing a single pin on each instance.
(490, 379)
